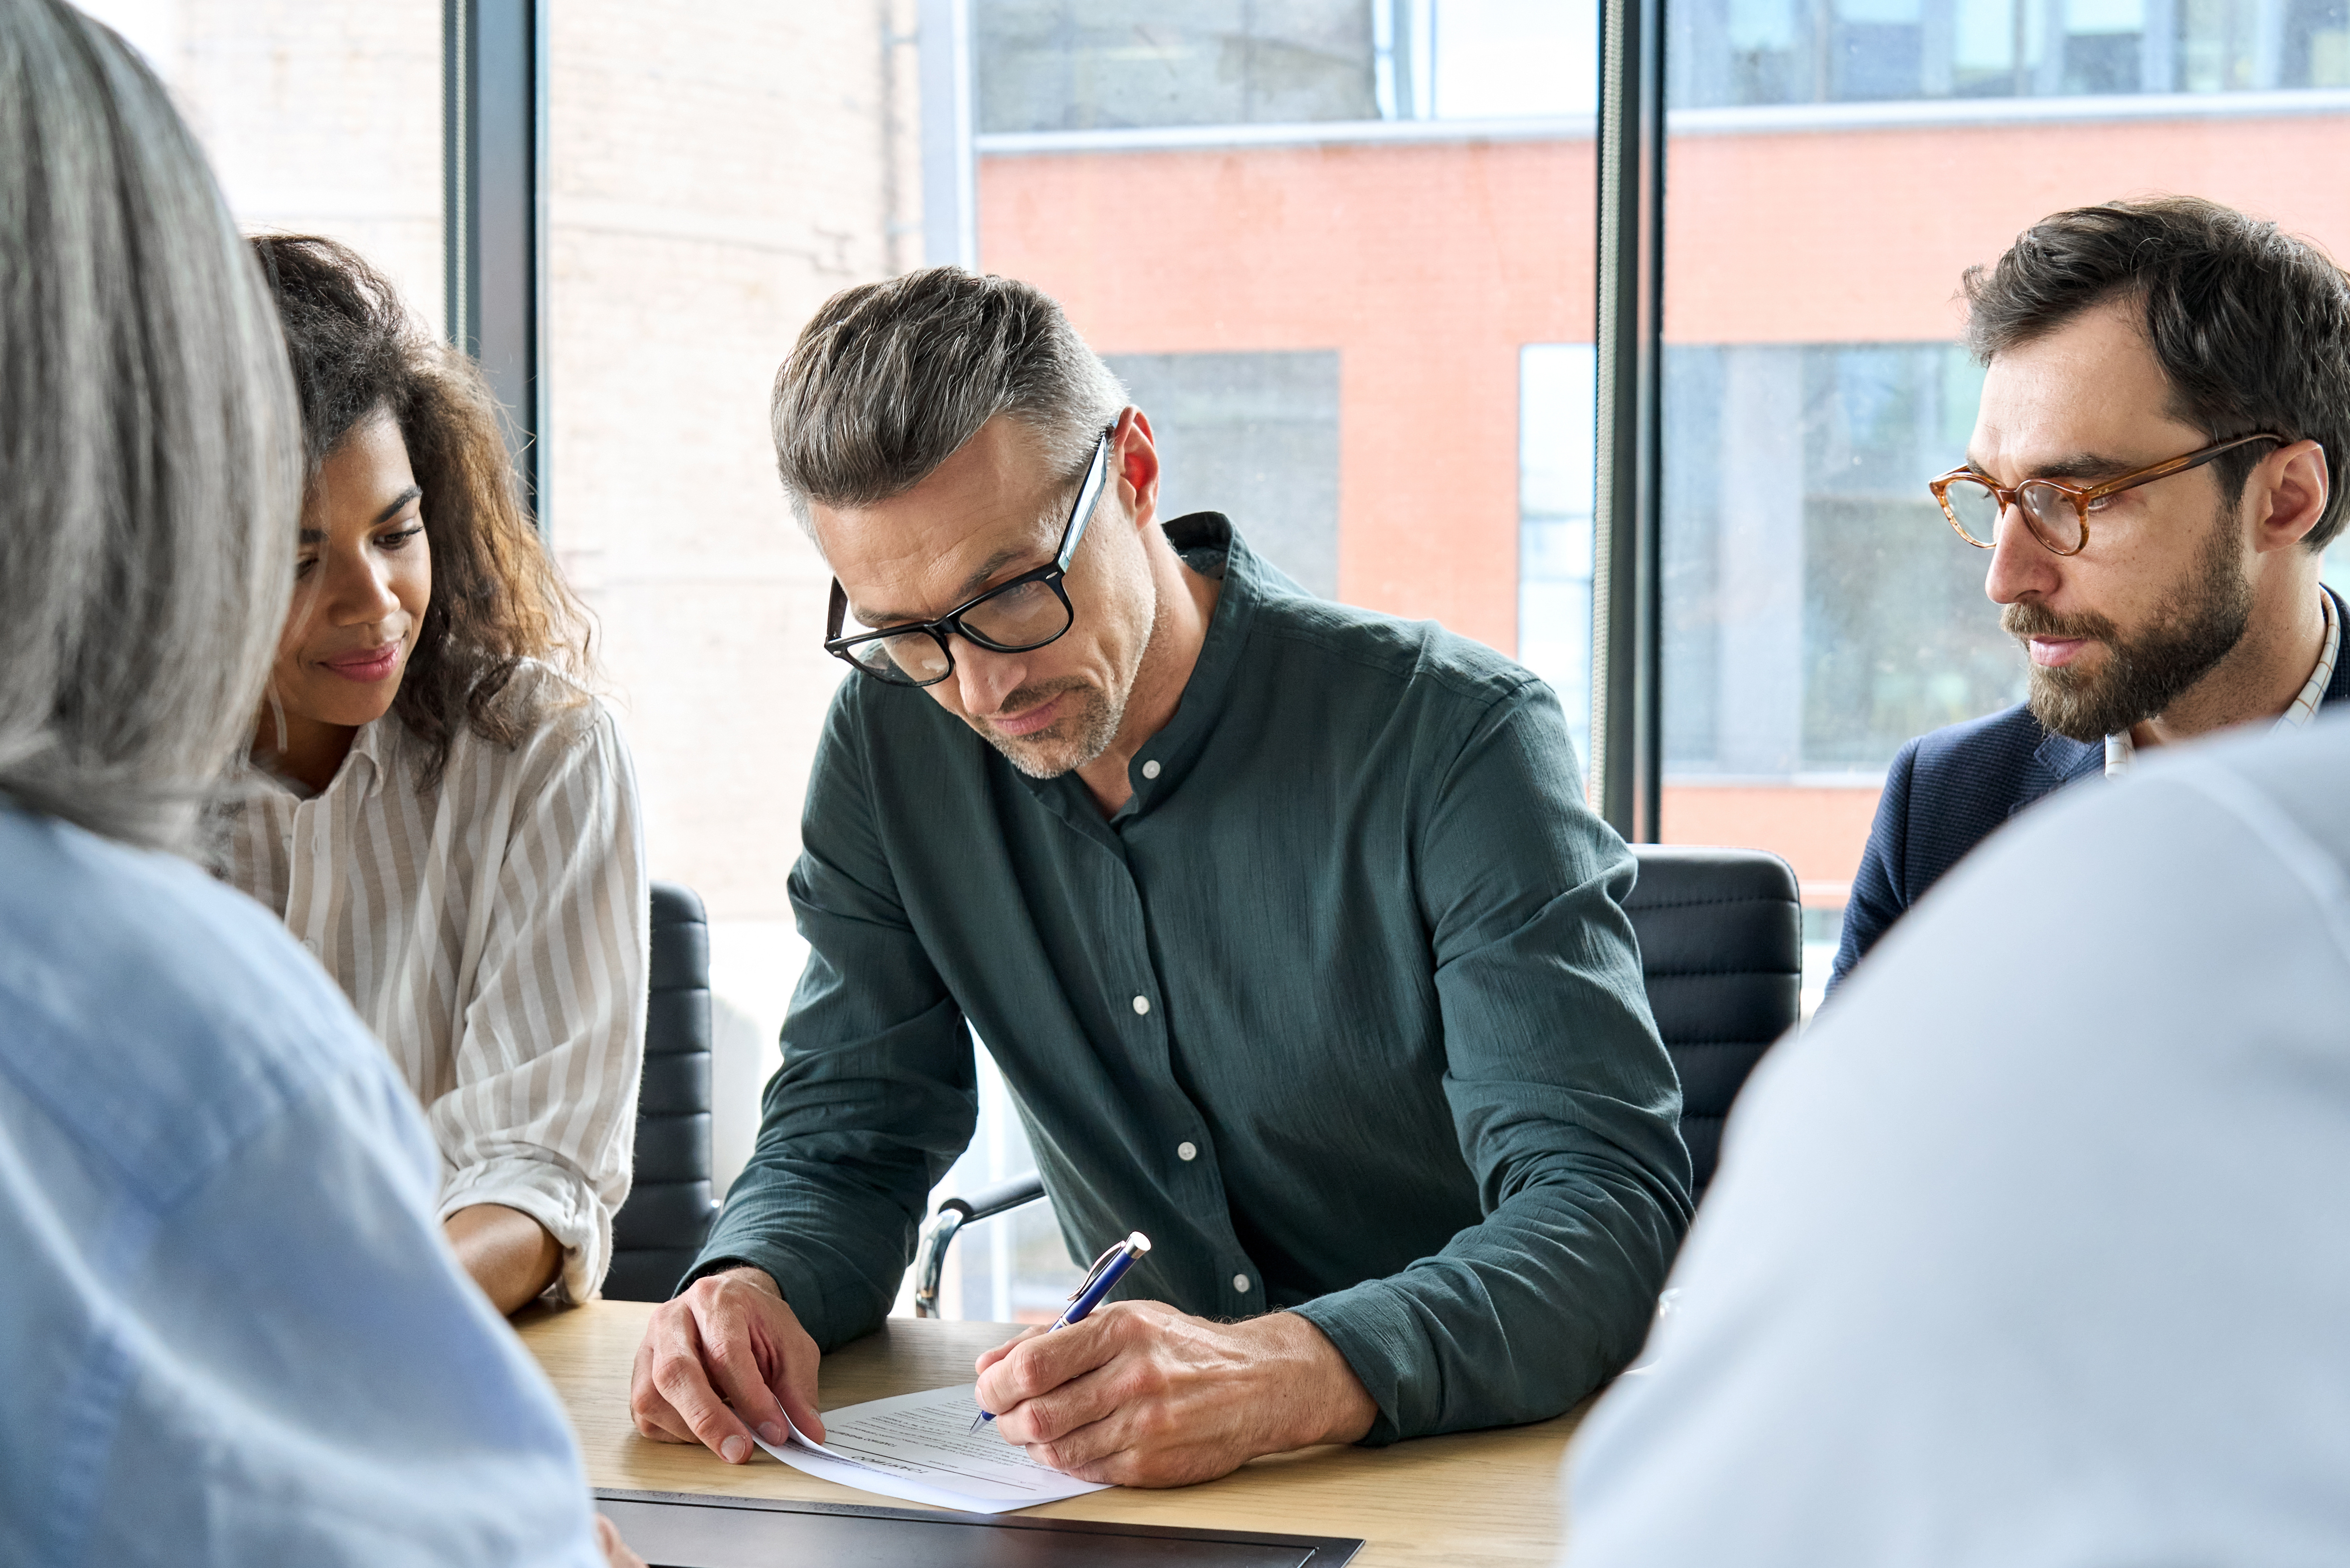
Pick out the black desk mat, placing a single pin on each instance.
(690, 1530)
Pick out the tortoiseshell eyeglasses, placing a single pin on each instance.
(2057, 513)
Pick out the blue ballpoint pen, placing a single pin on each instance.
(1107, 1269)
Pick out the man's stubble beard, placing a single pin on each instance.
(1080, 737)
(2142, 675)
(1088, 732)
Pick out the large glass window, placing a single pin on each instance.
(1558, 412)
(1341, 253)
(1835, 166)
(718, 168)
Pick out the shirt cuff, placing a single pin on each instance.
(1378, 1334)
(561, 1201)
(803, 1291)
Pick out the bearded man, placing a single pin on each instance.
(1286, 921)
(2167, 397)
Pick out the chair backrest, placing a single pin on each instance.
(1722, 947)
(659, 1232)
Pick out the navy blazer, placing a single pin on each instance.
(1949, 791)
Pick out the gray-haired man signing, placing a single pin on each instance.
(1285, 922)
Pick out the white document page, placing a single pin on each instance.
(921, 1447)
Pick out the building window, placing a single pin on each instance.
(1731, 53)
(1057, 65)
(1817, 615)
(1254, 436)
(1045, 65)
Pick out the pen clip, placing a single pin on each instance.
(1095, 1273)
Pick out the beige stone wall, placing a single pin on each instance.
(319, 116)
(718, 168)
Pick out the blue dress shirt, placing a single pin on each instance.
(233, 1333)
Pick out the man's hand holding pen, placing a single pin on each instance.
(1142, 1394)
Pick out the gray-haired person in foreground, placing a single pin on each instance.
(232, 1334)
(1286, 921)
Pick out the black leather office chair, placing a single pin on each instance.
(659, 1232)
(1721, 949)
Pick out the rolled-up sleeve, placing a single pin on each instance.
(1565, 1103)
(542, 1117)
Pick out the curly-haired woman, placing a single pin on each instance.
(450, 821)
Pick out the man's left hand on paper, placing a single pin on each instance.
(724, 1357)
(1142, 1394)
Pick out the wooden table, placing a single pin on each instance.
(1472, 1498)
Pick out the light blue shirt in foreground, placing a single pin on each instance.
(230, 1332)
(2033, 1253)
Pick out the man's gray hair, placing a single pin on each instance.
(891, 378)
(149, 450)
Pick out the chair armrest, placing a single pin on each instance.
(999, 1199)
(954, 1213)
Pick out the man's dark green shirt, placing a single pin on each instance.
(1342, 1010)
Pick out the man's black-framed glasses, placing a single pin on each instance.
(1025, 613)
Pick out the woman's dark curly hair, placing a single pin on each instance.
(496, 599)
